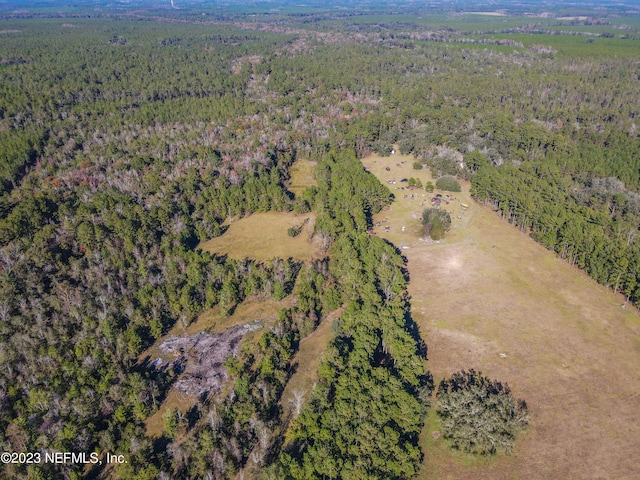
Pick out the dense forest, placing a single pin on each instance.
(128, 136)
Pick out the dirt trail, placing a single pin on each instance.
(490, 298)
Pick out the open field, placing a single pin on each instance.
(263, 236)
(571, 351)
(301, 173)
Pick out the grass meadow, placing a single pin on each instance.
(488, 297)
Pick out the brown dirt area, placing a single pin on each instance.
(569, 348)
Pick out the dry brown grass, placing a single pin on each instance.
(301, 176)
(263, 236)
(571, 352)
(174, 400)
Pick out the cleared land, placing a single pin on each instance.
(301, 176)
(264, 311)
(263, 236)
(569, 348)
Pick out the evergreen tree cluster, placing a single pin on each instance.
(448, 183)
(367, 409)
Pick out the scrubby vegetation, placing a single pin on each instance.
(436, 223)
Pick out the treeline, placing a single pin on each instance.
(368, 407)
(594, 227)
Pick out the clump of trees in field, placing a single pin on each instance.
(436, 223)
(414, 183)
(479, 415)
(448, 183)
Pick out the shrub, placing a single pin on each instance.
(479, 415)
(414, 182)
(294, 231)
(300, 205)
(428, 186)
(382, 149)
(448, 183)
(407, 145)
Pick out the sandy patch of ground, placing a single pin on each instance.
(490, 298)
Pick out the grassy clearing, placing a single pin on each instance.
(307, 359)
(174, 400)
(571, 351)
(263, 236)
(302, 176)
